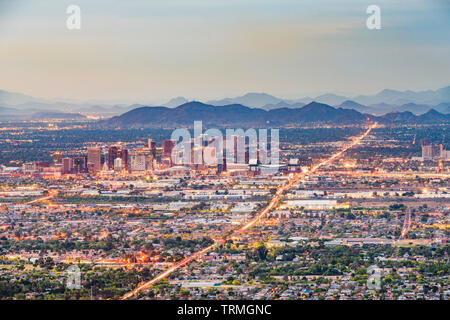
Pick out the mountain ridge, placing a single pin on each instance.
(239, 115)
(385, 101)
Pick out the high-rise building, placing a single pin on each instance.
(431, 151)
(115, 152)
(94, 159)
(444, 154)
(67, 165)
(147, 155)
(124, 157)
(79, 164)
(167, 147)
(138, 162)
(427, 150)
(152, 146)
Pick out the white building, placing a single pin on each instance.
(138, 163)
(118, 164)
(310, 204)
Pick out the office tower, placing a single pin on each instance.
(114, 152)
(145, 154)
(427, 150)
(79, 164)
(67, 165)
(94, 159)
(124, 157)
(444, 154)
(435, 151)
(152, 146)
(138, 162)
(167, 147)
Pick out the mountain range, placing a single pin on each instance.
(11, 114)
(236, 115)
(20, 106)
(382, 102)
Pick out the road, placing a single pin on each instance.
(50, 196)
(406, 224)
(272, 204)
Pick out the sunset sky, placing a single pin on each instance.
(151, 51)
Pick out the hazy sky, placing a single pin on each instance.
(153, 50)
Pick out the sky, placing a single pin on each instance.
(150, 51)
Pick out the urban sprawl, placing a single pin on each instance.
(361, 216)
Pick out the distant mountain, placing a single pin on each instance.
(10, 114)
(186, 114)
(414, 108)
(386, 101)
(176, 102)
(305, 100)
(443, 107)
(22, 101)
(7, 110)
(382, 108)
(57, 116)
(349, 104)
(407, 117)
(13, 98)
(283, 104)
(434, 116)
(25, 105)
(398, 117)
(417, 109)
(106, 110)
(237, 115)
(269, 102)
(315, 112)
(428, 97)
(256, 100)
(443, 94)
(233, 115)
(331, 99)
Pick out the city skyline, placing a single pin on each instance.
(225, 155)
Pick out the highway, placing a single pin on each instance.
(272, 204)
(50, 196)
(406, 224)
